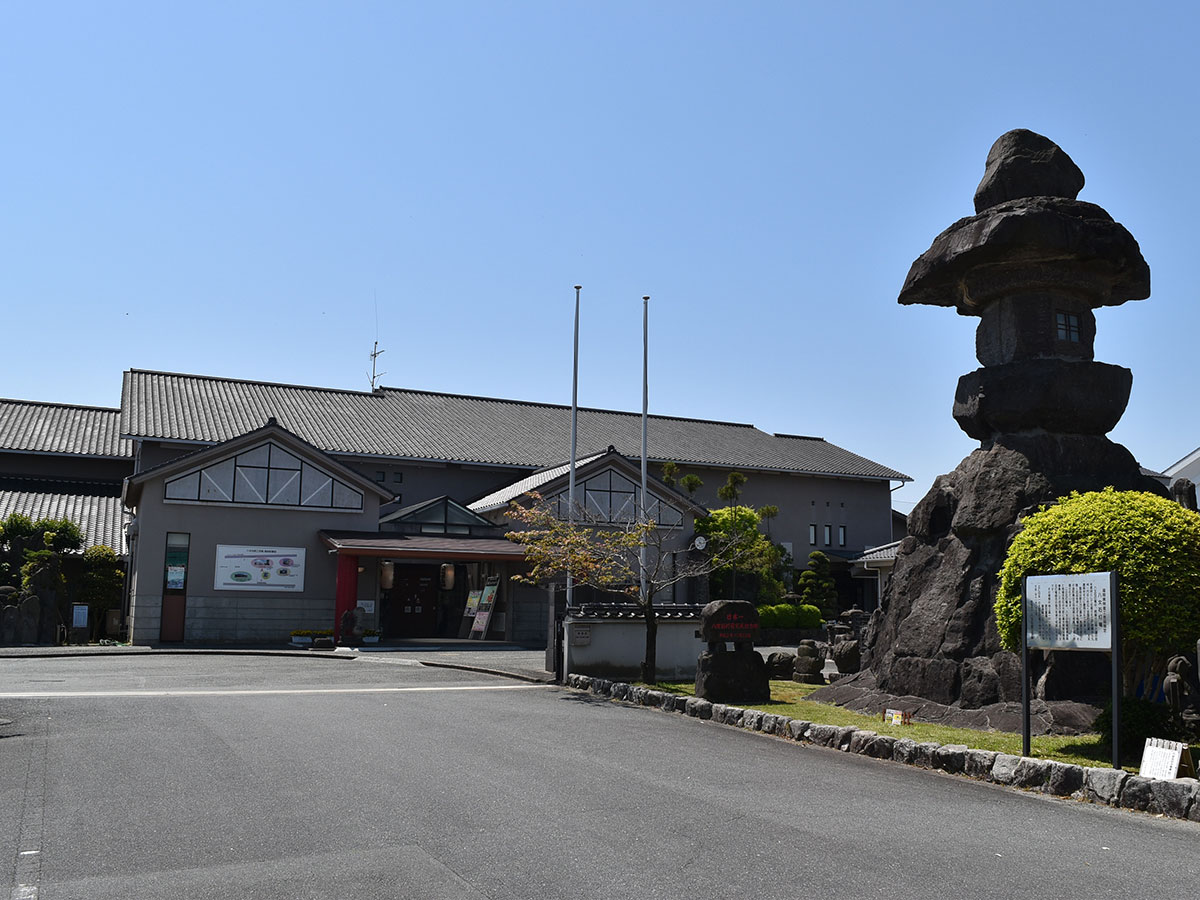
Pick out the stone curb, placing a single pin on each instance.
(1178, 798)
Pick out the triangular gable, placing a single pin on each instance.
(438, 511)
(268, 467)
(606, 488)
(264, 475)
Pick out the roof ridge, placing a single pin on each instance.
(112, 409)
(279, 384)
(539, 403)
(800, 437)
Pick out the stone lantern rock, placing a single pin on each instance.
(1032, 264)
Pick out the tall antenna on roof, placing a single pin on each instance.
(375, 351)
(375, 354)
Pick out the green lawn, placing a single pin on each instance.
(788, 699)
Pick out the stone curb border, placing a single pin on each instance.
(1178, 798)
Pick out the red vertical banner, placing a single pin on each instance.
(347, 590)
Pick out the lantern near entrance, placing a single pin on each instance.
(387, 571)
(447, 576)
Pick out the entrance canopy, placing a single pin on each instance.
(422, 546)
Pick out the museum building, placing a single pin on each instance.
(253, 509)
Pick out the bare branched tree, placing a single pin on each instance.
(607, 556)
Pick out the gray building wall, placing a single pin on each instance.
(239, 615)
(862, 506)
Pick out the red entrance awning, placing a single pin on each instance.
(422, 546)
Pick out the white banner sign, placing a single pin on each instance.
(259, 568)
(1069, 612)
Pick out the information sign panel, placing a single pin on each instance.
(242, 568)
(1162, 758)
(1069, 612)
(483, 613)
(473, 602)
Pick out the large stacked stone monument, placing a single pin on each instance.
(1032, 265)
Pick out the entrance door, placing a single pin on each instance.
(174, 594)
(412, 602)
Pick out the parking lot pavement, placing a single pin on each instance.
(493, 658)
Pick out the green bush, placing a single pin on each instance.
(1151, 543)
(808, 616)
(785, 615)
(788, 615)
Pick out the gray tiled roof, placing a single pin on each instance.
(425, 425)
(881, 553)
(59, 428)
(506, 495)
(94, 506)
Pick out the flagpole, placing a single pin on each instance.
(574, 439)
(645, 412)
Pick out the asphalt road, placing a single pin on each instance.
(260, 777)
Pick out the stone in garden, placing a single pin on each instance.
(780, 664)
(1031, 265)
(808, 665)
(846, 657)
(724, 675)
(1183, 492)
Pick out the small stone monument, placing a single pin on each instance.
(737, 675)
(809, 664)
(1183, 492)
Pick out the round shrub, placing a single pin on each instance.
(788, 615)
(768, 617)
(1152, 543)
(808, 616)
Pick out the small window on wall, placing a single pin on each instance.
(841, 535)
(812, 535)
(381, 477)
(828, 529)
(397, 478)
(1067, 327)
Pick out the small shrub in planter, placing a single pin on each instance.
(306, 635)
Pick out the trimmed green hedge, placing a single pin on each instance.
(785, 615)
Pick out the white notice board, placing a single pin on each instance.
(241, 568)
(1070, 612)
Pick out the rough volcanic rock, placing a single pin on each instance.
(1063, 245)
(847, 657)
(1055, 395)
(1023, 163)
(934, 635)
(780, 664)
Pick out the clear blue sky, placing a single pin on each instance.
(259, 190)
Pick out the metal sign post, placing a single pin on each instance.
(1071, 612)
